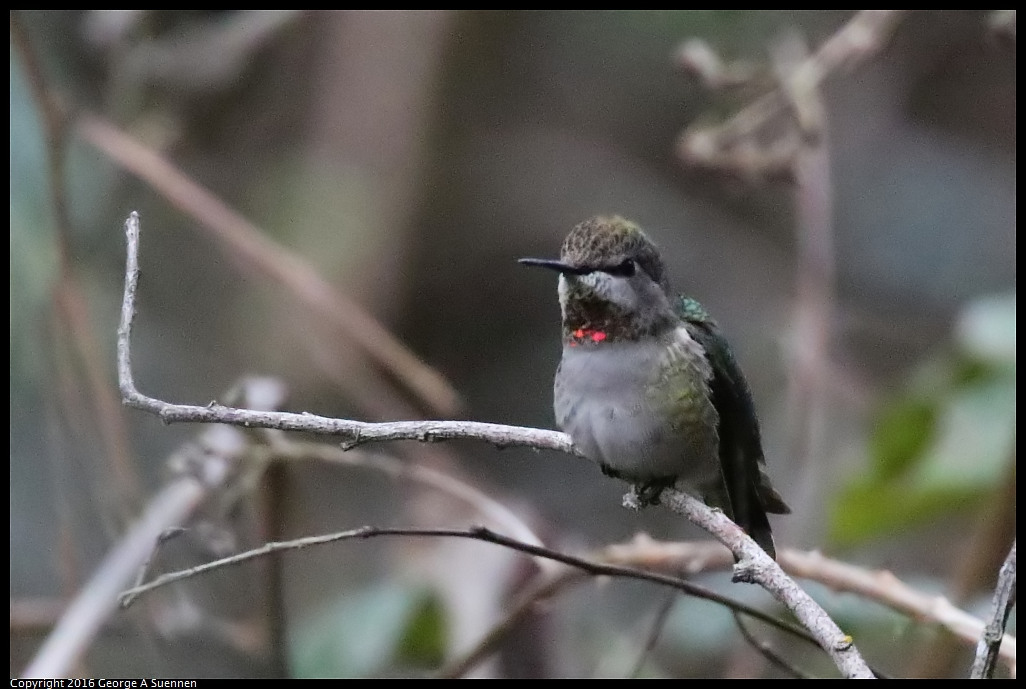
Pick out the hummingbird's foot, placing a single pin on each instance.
(639, 497)
(646, 494)
(744, 571)
(631, 501)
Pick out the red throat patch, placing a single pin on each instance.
(586, 335)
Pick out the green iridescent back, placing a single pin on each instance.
(749, 493)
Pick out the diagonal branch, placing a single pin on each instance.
(756, 567)
(991, 641)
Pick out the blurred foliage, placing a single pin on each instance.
(424, 641)
(382, 629)
(943, 444)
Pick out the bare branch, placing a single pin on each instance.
(642, 552)
(353, 433)
(766, 651)
(991, 641)
(877, 585)
(733, 146)
(478, 533)
(546, 588)
(756, 567)
(883, 587)
(483, 503)
(698, 59)
(654, 632)
(815, 269)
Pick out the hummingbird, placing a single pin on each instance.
(647, 386)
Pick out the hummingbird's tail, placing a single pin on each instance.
(749, 505)
(756, 525)
(764, 498)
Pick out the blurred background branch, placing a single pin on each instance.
(247, 244)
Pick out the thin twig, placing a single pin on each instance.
(880, 586)
(641, 553)
(990, 643)
(478, 533)
(756, 567)
(483, 503)
(162, 538)
(654, 632)
(732, 146)
(353, 433)
(766, 650)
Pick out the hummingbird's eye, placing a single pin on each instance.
(625, 268)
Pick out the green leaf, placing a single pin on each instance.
(902, 435)
(947, 441)
(974, 438)
(364, 632)
(423, 642)
(872, 509)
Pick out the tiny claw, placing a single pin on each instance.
(650, 492)
(743, 572)
(351, 443)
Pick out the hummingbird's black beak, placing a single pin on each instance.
(553, 264)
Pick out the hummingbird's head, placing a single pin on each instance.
(611, 278)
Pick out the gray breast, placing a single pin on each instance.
(642, 409)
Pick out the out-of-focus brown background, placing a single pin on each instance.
(409, 158)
